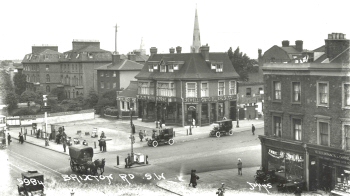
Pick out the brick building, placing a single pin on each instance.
(178, 87)
(307, 117)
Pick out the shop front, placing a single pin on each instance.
(329, 170)
(286, 159)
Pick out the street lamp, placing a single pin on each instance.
(237, 116)
(45, 102)
(131, 137)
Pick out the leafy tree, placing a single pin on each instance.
(241, 62)
(111, 96)
(102, 102)
(92, 98)
(59, 93)
(27, 96)
(19, 81)
(11, 100)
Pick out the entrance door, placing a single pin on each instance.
(213, 112)
(326, 176)
(313, 174)
(233, 110)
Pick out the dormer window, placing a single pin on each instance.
(150, 68)
(77, 56)
(162, 68)
(171, 68)
(176, 67)
(66, 56)
(155, 66)
(219, 67)
(213, 66)
(90, 55)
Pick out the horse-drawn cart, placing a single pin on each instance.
(81, 160)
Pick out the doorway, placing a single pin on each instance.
(233, 110)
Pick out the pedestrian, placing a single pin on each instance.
(84, 143)
(38, 133)
(47, 142)
(104, 146)
(103, 135)
(64, 142)
(161, 123)
(133, 128)
(194, 122)
(253, 129)
(100, 144)
(21, 139)
(239, 166)
(141, 135)
(9, 138)
(193, 179)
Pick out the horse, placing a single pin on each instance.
(100, 165)
(91, 166)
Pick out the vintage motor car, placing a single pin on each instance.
(94, 133)
(32, 183)
(164, 136)
(223, 127)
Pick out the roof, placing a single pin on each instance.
(343, 57)
(320, 49)
(320, 59)
(89, 48)
(46, 55)
(194, 67)
(122, 65)
(130, 91)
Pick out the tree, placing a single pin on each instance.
(11, 100)
(59, 93)
(19, 81)
(92, 98)
(27, 96)
(111, 96)
(241, 62)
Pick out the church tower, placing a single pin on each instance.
(196, 36)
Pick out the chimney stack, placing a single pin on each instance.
(335, 44)
(115, 58)
(259, 52)
(285, 43)
(178, 49)
(153, 50)
(205, 52)
(172, 50)
(131, 56)
(299, 45)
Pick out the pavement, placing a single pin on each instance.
(118, 133)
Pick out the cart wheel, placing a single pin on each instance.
(230, 132)
(171, 142)
(217, 134)
(154, 143)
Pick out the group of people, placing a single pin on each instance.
(20, 138)
(102, 142)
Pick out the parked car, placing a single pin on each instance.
(32, 183)
(223, 127)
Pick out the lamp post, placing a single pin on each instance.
(237, 116)
(45, 104)
(131, 137)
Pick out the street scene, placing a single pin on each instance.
(174, 98)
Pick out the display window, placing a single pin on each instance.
(287, 165)
(342, 180)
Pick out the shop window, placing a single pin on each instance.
(323, 133)
(296, 92)
(205, 116)
(297, 129)
(322, 94)
(221, 110)
(277, 90)
(277, 126)
(342, 180)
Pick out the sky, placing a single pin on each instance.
(247, 24)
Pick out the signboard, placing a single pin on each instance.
(287, 155)
(331, 156)
(46, 108)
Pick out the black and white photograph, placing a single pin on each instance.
(174, 98)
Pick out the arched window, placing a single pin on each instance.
(47, 88)
(47, 78)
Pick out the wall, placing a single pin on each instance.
(126, 77)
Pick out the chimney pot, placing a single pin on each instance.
(205, 52)
(153, 50)
(172, 50)
(178, 49)
(115, 58)
(299, 45)
(285, 43)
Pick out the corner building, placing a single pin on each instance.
(178, 87)
(307, 119)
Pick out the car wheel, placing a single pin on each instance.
(154, 143)
(230, 132)
(171, 141)
(217, 134)
(149, 142)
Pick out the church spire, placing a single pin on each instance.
(196, 36)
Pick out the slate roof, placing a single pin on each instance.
(123, 64)
(46, 55)
(194, 67)
(82, 54)
(343, 57)
(320, 49)
(130, 91)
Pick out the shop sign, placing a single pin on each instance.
(12, 117)
(146, 97)
(338, 158)
(162, 99)
(192, 100)
(219, 98)
(287, 155)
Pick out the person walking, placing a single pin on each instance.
(100, 144)
(133, 128)
(21, 139)
(141, 135)
(253, 129)
(193, 179)
(239, 166)
(9, 138)
(193, 122)
(64, 142)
